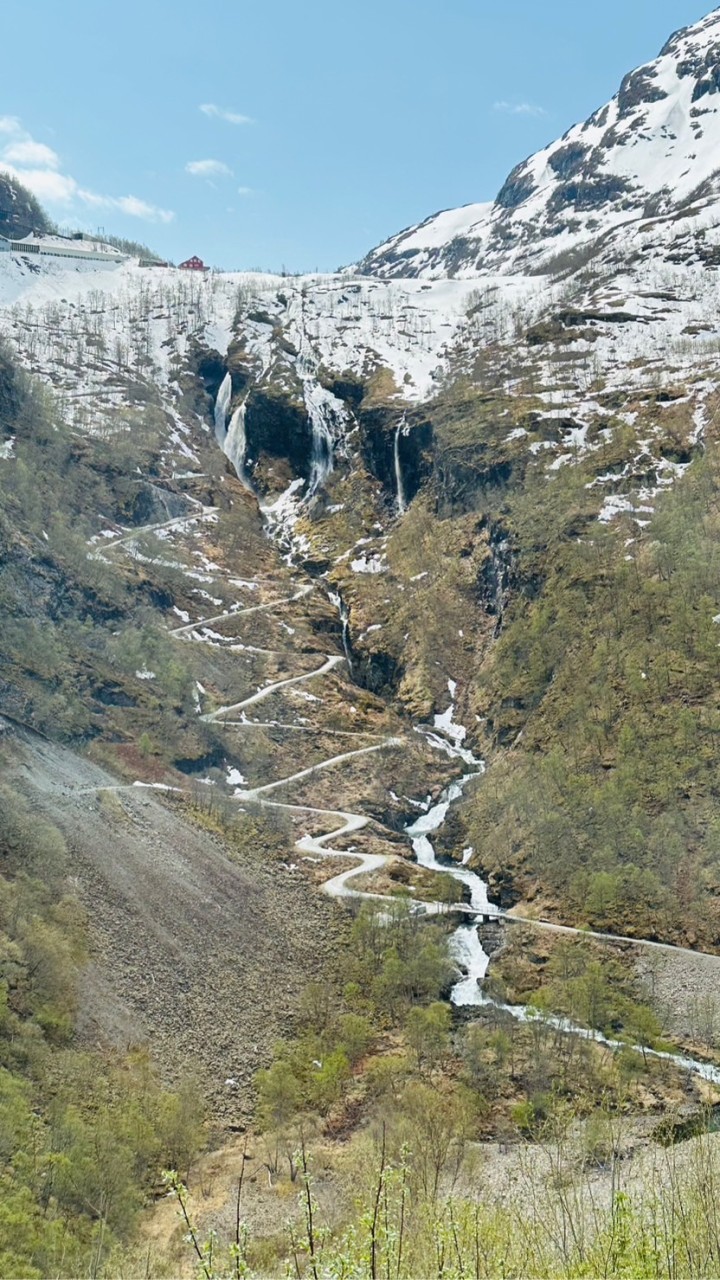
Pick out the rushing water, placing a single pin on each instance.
(327, 416)
(222, 408)
(235, 444)
(399, 486)
(446, 736)
(231, 437)
(465, 944)
(337, 601)
(468, 951)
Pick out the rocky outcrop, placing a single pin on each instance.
(277, 430)
(465, 477)
(385, 428)
(20, 212)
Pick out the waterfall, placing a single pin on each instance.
(235, 444)
(327, 419)
(464, 944)
(399, 487)
(498, 551)
(327, 416)
(222, 406)
(231, 438)
(337, 600)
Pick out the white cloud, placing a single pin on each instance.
(37, 167)
(130, 205)
(32, 153)
(136, 208)
(208, 169)
(245, 191)
(49, 187)
(220, 113)
(519, 108)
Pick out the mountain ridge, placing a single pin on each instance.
(646, 154)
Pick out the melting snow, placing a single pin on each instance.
(368, 564)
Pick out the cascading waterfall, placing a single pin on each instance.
(222, 408)
(231, 438)
(465, 943)
(448, 736)
(468, 950)
(399, 486)
(498, 552)
(337, 600)
(235, 444)
(327, 414)
(328, 418)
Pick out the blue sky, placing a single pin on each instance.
(328, 124)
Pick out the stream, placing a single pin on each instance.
(467, 950)
(444, 735)
(465, 945)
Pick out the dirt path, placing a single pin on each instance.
(649, 943)
(177, 522)
(318, 768)
(215, 716)
(341, 885)
(188, 628)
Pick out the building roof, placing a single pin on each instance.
(70, 242)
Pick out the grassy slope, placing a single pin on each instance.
(603, 688)
(596, 698)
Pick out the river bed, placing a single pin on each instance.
(467, 950)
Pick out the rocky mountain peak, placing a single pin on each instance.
(652, 152)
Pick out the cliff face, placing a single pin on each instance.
(20, 212)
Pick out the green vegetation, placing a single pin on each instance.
(76, 628)
(557, 1226)
(589, 651)
(609, 664)
(82, 1138)
(372, 1118)
(394, 965)
(591, 984)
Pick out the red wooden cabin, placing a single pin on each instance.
(193, 264)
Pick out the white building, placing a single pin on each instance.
(68, 247)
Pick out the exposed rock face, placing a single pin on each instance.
(277, 427)
(389, 437)
(652, 148)
(20, 212)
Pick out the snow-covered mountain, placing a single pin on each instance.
(424, 437)
(652, 152)
(591, 278)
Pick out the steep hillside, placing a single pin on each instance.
(359, 709)
(20, 212)
(310, 546)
